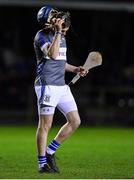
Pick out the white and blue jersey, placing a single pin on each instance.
(50, 86)
(49, 71)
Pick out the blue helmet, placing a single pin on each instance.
(45, 14)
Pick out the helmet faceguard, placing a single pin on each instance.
(65, 16)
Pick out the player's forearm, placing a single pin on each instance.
(53, 50)
(71, 68)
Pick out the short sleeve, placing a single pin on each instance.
(42, 40)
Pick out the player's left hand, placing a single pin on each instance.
(82, 71)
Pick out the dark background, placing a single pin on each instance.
(106, 95)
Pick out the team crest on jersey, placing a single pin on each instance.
(47, 98)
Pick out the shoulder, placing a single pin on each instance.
(42, 37)
(43, 33)
(39, 34)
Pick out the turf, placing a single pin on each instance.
(102, 153)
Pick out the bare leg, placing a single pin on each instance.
(67, 129)
(44, 125)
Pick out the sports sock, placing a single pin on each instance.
(52, 147)
(42, 161)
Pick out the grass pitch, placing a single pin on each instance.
(90, 153)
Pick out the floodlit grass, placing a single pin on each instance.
(101, 153)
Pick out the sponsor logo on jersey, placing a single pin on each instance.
(62, 54)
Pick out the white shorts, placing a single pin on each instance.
(49, 97)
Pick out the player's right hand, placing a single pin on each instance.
(58, 24)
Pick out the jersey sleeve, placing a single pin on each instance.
(42, 40)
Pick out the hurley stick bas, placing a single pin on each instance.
(94, 59)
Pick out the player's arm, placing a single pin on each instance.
(74, 69)
(52, 50)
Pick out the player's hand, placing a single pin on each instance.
(58, 24)
(82, 71)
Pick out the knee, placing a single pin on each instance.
(45, 123)
(44, 128)
(76, 123)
